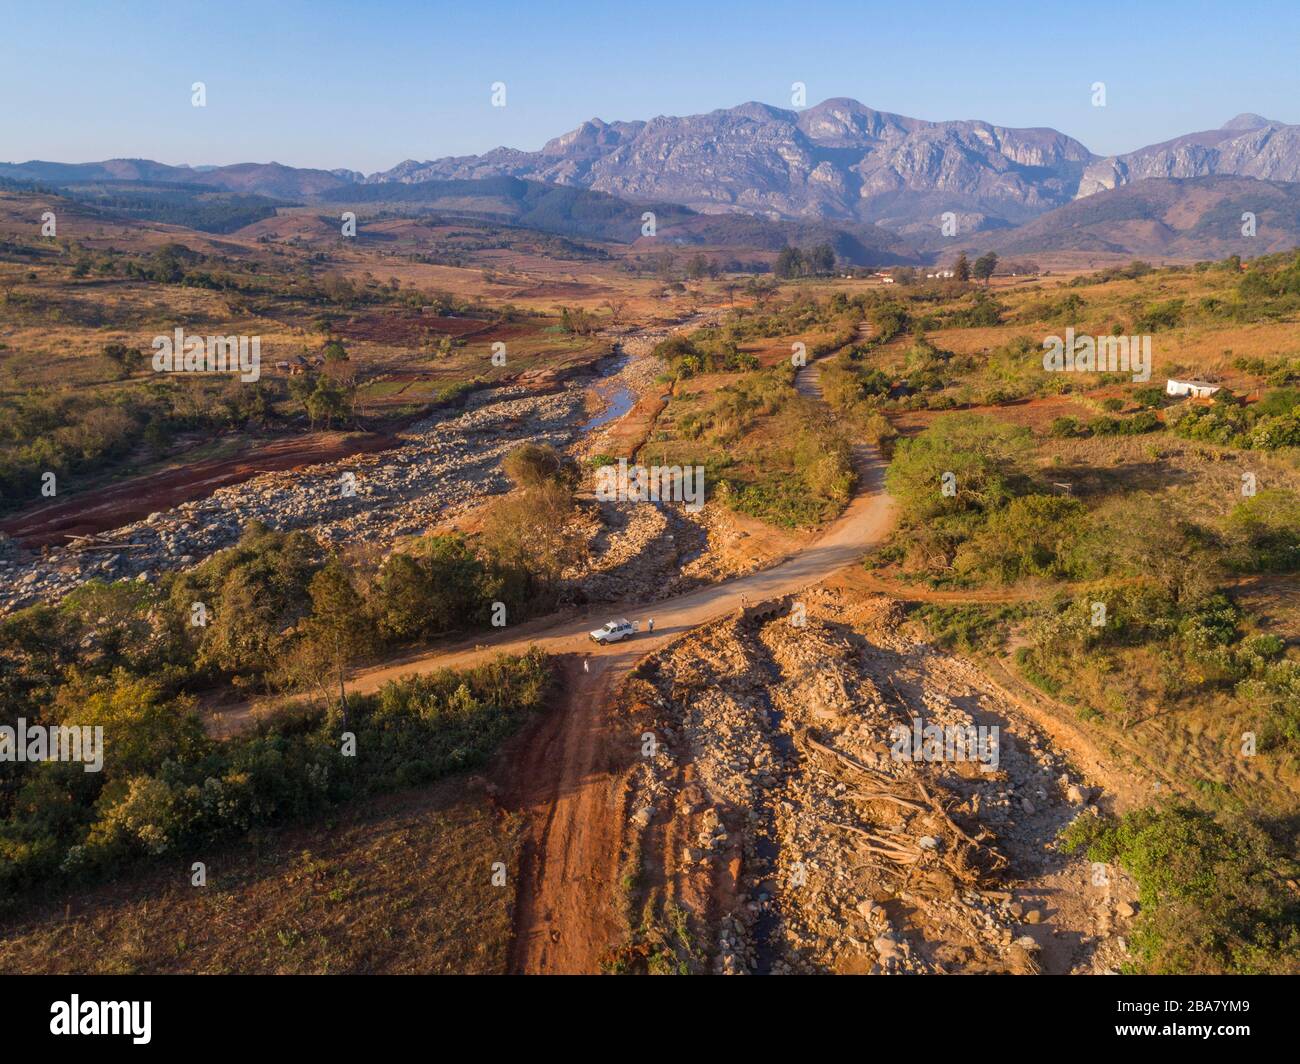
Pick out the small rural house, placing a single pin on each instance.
(1195, 389)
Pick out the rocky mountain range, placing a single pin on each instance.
(1247, 146)
(841, 160)
(838, 161)
(839, 164)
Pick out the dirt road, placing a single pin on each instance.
(864, 524)
(566, 775)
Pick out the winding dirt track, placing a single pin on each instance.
(565, 774)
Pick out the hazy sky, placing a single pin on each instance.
(364, 85)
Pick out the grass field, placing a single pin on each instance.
(404, 885)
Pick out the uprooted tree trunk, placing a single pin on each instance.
(968, 858)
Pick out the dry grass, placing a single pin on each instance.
(403, 886)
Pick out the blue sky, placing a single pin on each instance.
(365, 85)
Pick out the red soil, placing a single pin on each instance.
(121, 503)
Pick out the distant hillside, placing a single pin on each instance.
(859, 244)
(192, 206)
(268, 179)
(531, 204)
(20, 223)
(1171, 217)
(577, 212)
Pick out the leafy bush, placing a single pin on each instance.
(1152, 398)
(166, 786)
(1212, 894)
(987, 460)
(1033, 535)
(1160, 316)
(1068, 428)
(1264, 532)
(984, 312)
(250, 595)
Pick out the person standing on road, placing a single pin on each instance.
(650, 625)
(586, 664)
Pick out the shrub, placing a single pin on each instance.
(986, 458)
(1212, 894)
(165, 785)
(1264, 532)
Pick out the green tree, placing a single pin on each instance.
(435, 588)
(300, 390)
(338, 626)
(821, 259)
(404, 593)
(528, 530)
(126, 359)
(984, 267)
(1143, 539)
(789, 263)
(251, 594)
(243, 627)
(143, 727)
(328, 400)
(984, 461)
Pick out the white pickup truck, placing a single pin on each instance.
(612, 632)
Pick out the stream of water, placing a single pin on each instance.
(618, 399)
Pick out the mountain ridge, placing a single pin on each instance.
(838, 160)
(838, 164)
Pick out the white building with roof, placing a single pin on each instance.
(1195, 389)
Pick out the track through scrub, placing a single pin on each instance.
(567, 776)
